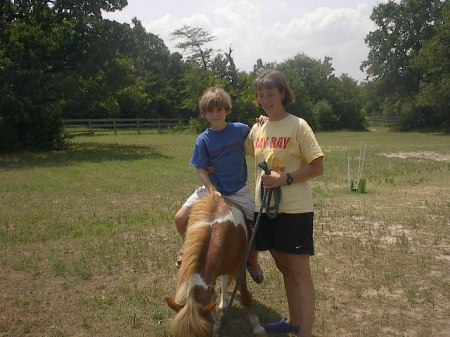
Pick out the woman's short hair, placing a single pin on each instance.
(269, 79)
(214, 97)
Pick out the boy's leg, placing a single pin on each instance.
(181, 220)
(253, 266)
(182, 216)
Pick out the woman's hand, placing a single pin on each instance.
(273, 180)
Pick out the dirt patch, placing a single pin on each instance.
(431, 155)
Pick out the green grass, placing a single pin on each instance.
(87, 242)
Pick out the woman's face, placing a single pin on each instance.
(271, 100)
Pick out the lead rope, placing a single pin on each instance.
(266, 196)
(271, 211)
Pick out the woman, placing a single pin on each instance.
(288, 145)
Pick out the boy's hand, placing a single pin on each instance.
(210, 170)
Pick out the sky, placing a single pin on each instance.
(272, 30)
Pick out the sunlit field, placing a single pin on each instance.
(88, 246)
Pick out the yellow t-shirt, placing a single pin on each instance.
(285, 145)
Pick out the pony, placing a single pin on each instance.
(214, 247)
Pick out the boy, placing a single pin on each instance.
(220, 147)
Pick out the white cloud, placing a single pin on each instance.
(258, 29)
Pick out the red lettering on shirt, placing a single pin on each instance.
(272, 143)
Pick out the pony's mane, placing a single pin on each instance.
(195, 243)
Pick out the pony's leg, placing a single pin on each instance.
(246, 299)
(224, 298)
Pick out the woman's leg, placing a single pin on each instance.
(299, 288)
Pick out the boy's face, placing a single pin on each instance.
(216, 118)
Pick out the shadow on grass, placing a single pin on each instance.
(238, 323)
(81, 153)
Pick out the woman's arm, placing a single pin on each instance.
(314, 169)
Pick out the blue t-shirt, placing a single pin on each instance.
(224, 150)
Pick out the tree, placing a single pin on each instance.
(193, 43)
(433, 61)
(41, 44)
(202, 70)
(345, 98)
(326, 118)
(403, 30)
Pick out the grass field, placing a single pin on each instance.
(87, 242)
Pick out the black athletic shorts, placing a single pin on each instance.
(287, 233)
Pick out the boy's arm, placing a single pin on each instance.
(204, 178)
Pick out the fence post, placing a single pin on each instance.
(114, 124)
(138, 125)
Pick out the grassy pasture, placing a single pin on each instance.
(87, 245)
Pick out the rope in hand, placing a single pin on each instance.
(266, 195)
(271, 211)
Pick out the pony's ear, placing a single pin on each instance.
(208, 308)
(174, 305)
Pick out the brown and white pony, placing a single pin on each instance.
(215, 246)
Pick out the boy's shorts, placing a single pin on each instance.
(287, 233)
(243, 198)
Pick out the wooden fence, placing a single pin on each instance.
(89, 126)
(382, 121)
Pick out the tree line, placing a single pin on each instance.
(62, 59)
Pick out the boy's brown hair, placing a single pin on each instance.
(214, 97)
(269, 79)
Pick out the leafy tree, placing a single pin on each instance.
(403, 30)
(326, 118)
(433, 61)
(42, 43)
(244, 110)
(320, 95)
(29, 100)
(193, 43)
(372, 102)
(202, 71)
(345, 98)
(195, 81)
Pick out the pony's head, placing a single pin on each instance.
(192, 320)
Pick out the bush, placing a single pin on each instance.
(35, 130)
(325, 116)
(198, 125)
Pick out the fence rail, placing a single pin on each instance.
(382, 121)
(89, 126)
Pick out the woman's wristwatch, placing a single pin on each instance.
(289, 178)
